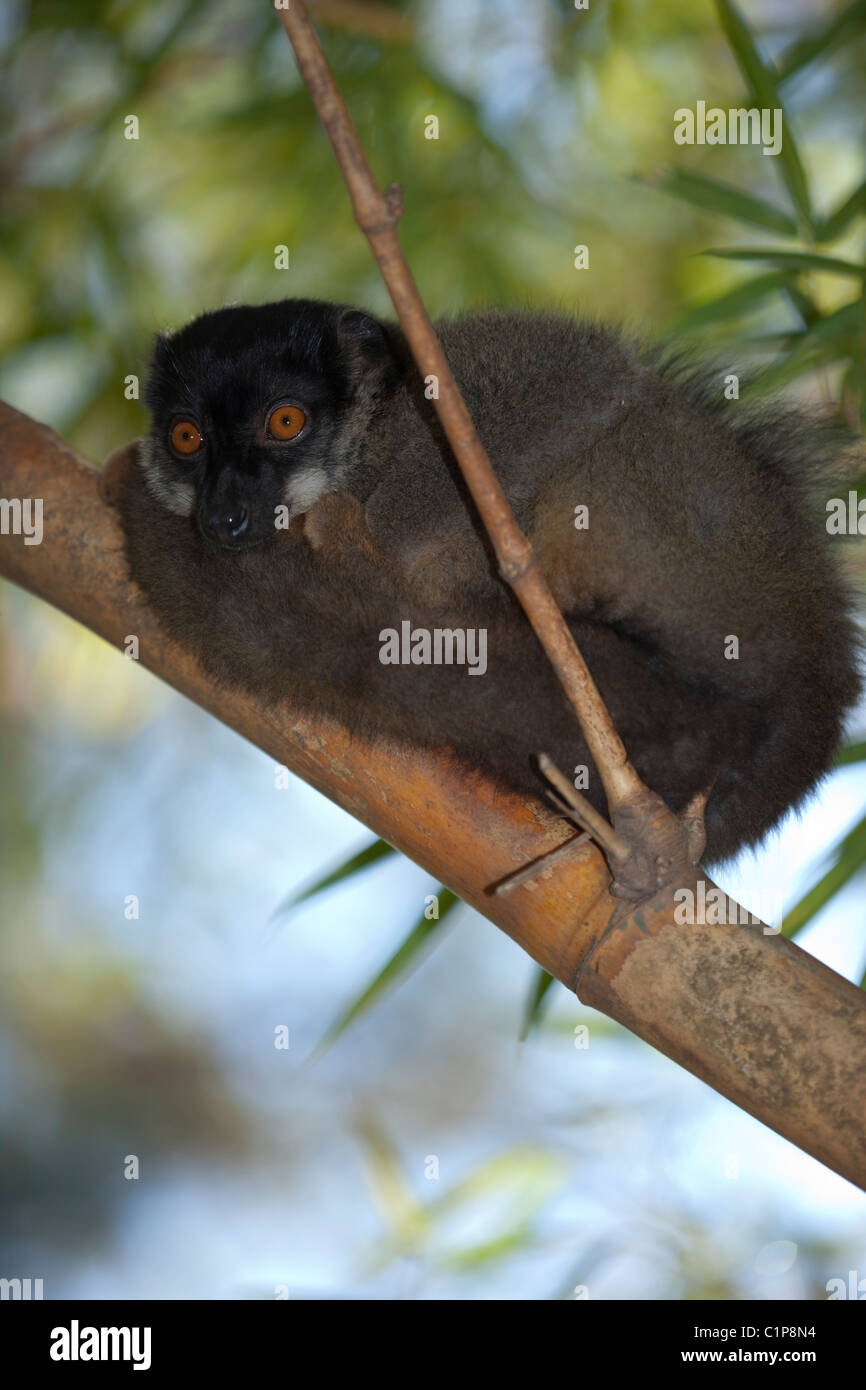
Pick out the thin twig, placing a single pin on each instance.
(377, 215)
(578, 809)
(532, 871)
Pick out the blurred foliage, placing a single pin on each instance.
(93, 1068)
(499, 1201)
(555, 130)
(833, 337)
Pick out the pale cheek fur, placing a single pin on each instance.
(304, 488)
(175, 494)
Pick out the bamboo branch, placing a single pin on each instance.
(751, 1014)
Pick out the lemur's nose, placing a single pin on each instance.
(237, 520)
(227, 525)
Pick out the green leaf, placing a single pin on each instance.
(850, 857)
(829, 340)
(851, 753)
(834, 225)
(795, 260)
(723, 198)
(499, 1247)
(762, 78)
(842, 26)
(525, 1175)
(370, 855)
(804, 305)
(507, 1192)
(541, 983)
(834, 329)
(740, 300)
(777, 342)
(407, 1217)
(407, 955)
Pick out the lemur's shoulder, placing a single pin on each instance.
(529, 356)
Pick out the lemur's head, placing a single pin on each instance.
(257, 411)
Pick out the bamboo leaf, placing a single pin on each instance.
(723, 198)
(762, 78)
(529, 1174)
(850, 857)
(735, 302)
(499, 1247)
(829, 340)
(372, 854)
(834, 225)
(795, 260)
(406, 1215)
(804, 305)
(844, 25)
(539, 987)
(405, 958)
(851, 753)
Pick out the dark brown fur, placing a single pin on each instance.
(700, 529)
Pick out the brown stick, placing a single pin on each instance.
(751, 1014)
(377, 215)
(365, 17)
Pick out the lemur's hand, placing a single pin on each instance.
(335, 527)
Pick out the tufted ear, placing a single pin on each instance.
(161, 342)
(366, 349)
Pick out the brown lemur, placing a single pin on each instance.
(296, 500)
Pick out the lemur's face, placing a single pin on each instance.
(258, 411)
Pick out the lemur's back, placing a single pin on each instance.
(670, 522)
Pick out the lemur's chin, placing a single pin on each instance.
(238, 546)
(234, 547)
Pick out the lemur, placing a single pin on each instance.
(296, 500)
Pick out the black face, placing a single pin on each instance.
(258, 411)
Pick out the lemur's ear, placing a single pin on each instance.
(367, 349)
(161, 340)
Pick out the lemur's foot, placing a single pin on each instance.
(647, 847)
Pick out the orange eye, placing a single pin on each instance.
(286, 422)
(186, 437)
